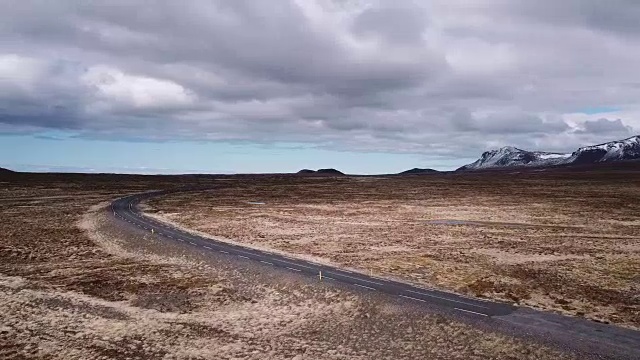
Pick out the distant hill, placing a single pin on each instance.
(509, 156)
(418, 171)
(320, 172)
(329, 172)
(6, 171)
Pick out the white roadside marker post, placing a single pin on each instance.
(320, 275)
(152, 230)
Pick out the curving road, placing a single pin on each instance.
(596, 338)
(126, 210)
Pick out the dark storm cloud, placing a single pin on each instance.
(507, 122)
(395, 24)
(447, 78)
(606, 126)
(620, 16)
(39, 93)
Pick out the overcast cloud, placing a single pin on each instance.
(446, 78)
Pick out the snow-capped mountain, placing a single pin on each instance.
(509, 156)
(627, 149)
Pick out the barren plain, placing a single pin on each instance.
(556, 240)
(73, 285)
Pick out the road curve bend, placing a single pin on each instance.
(595, 338)
(126, 210)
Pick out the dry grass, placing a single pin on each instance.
(562, 241)
(73, 287)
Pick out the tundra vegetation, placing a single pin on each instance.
(561, 240)
(75, 285)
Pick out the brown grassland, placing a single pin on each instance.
(559, 240)
(74, 286)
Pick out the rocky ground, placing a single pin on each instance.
(75, 285)
(558, 240)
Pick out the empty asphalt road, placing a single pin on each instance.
(596, 338)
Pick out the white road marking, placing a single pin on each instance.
(290, 268)
(460, 295)
(206, 247)
(447, 299)
(363, 286)
(287, 262)
(412, 298)
(370, 282)
(192, 243)
(224, 252)
(266, 262)
(473, 312)
(242, 256)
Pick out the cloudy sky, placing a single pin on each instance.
(260, 86)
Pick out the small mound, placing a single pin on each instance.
(320, 172)
(418, 171)
(6, 171)
(329, 172)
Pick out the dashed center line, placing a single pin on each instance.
(294, 269)
(368, 281)
(364, 286)
(412, 298)
(266, 262)
(472, 312)
(447, 299)
(287, 262)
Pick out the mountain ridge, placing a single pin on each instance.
(511, 157)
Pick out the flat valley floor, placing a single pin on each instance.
(561, 241)
(75, 285)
